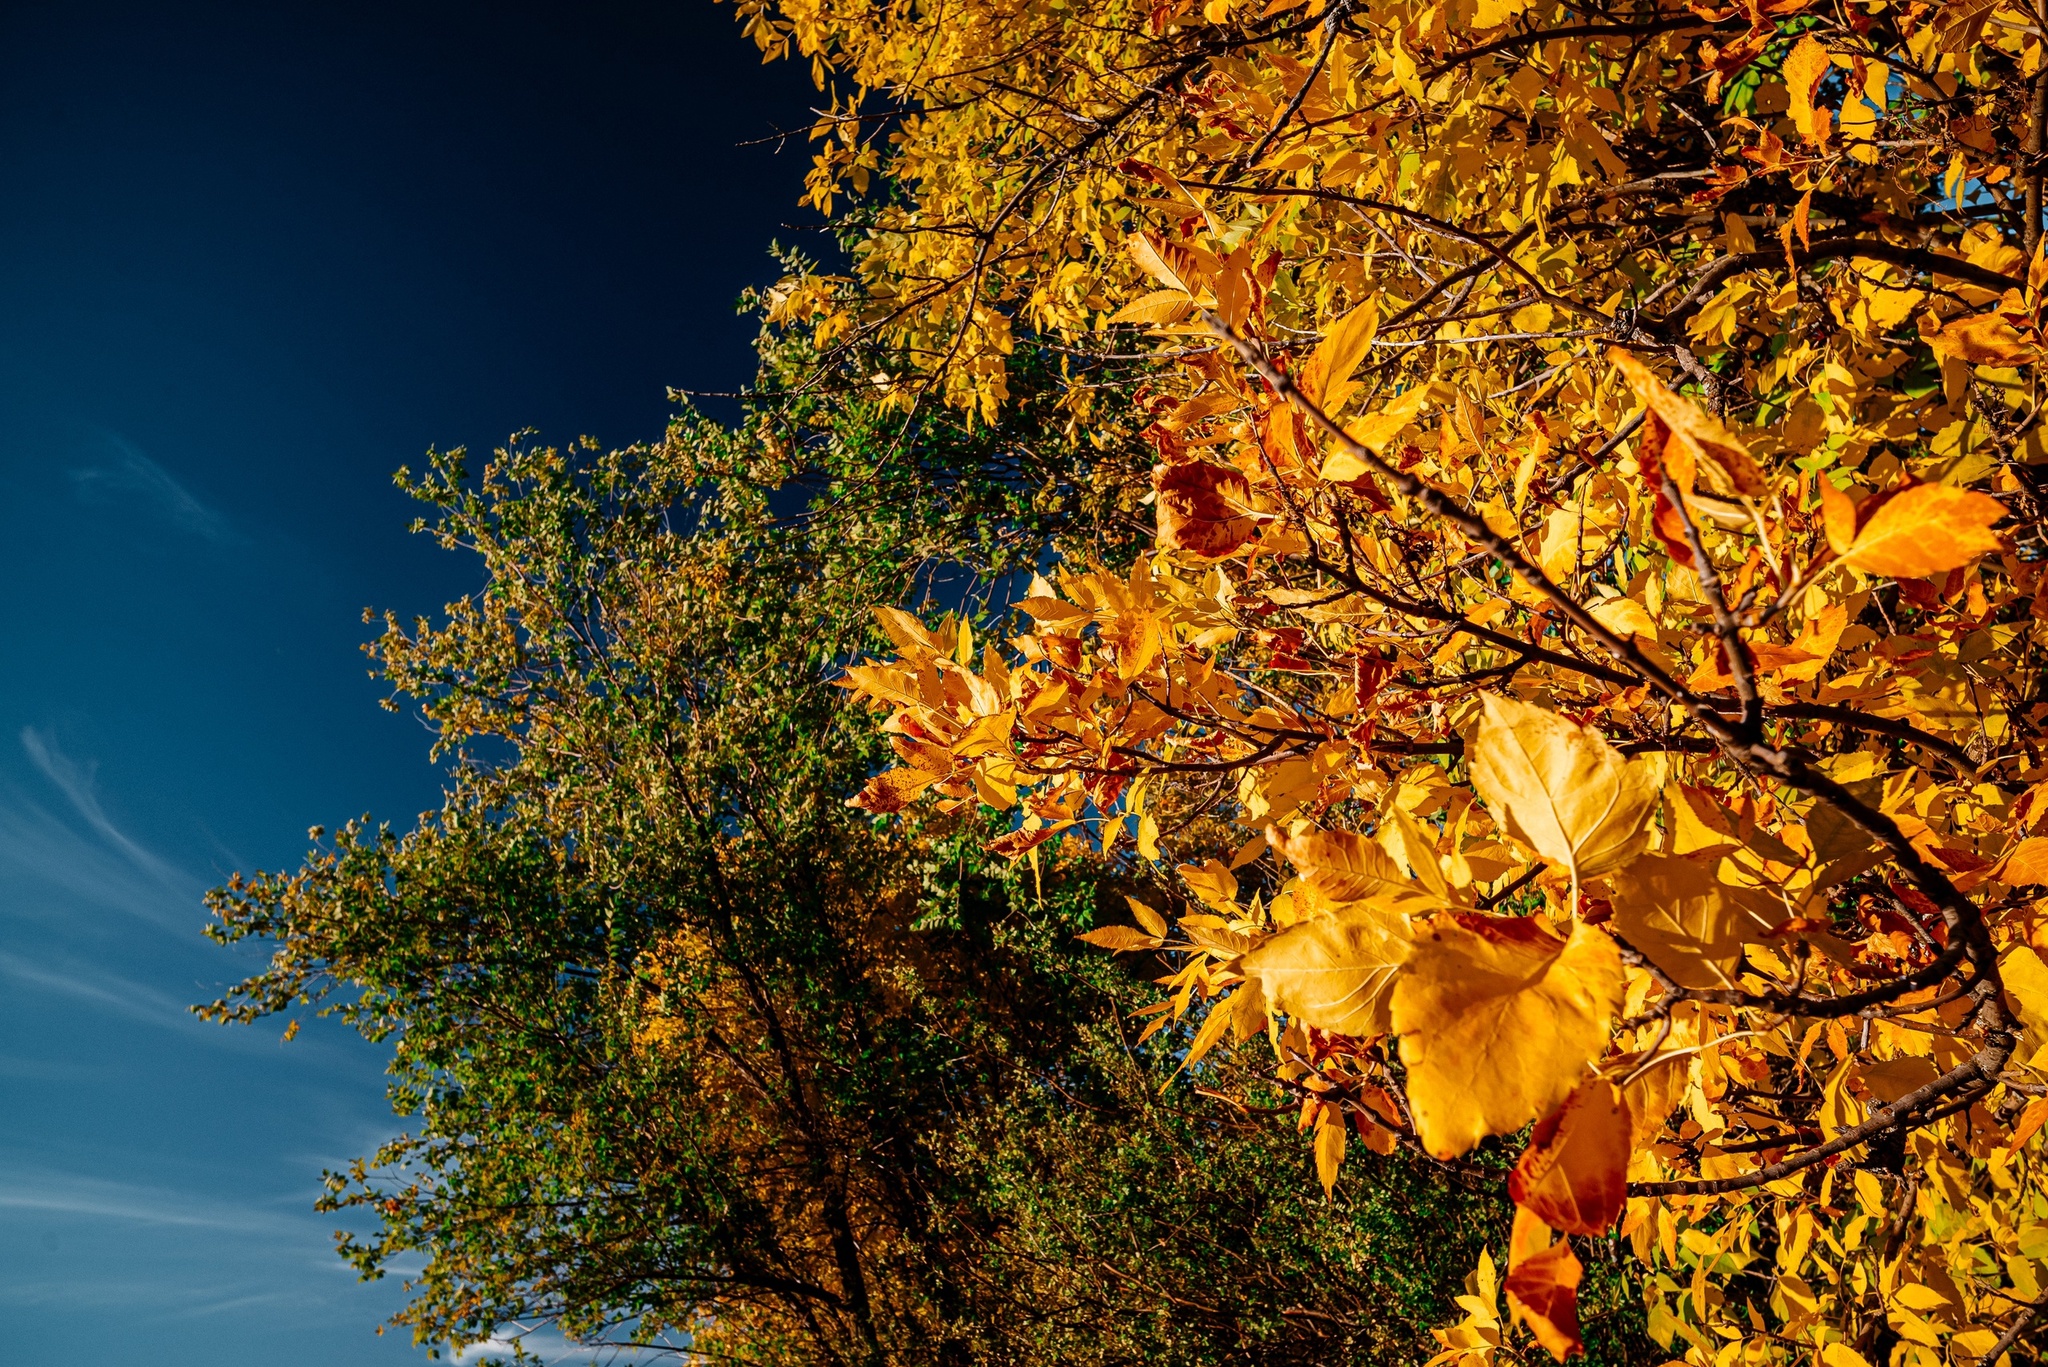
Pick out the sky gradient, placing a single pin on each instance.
(256, 258)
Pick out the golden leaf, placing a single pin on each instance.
(1161, 308)
(1805, 66)
(1924, 530)
(1329, 1146)
(1498, 1018)
(1342, 866)
(1334, 972)
(1691, 925)
(1119, 939)
(1327, 376)
(1560, 788)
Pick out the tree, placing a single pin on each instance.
(1596, 567)
(694, 1054)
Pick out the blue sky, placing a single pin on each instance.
(255, 257)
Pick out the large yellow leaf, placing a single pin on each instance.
(1560, 788)
(1926, 529)
(1498, 1018)
(1334, 972)
(1689, 923)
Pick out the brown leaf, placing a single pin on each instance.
(1202, 508)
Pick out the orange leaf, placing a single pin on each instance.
(1720, 456)
(2025, 863)
(1202, 508)
(1924, 530)
(1573, 1175)
(1543, 1293)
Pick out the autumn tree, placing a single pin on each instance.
(694, 1056)
(1596, 569)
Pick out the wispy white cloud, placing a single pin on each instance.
(76, 781)
(109, 991)
(127, 471)
(59, 1193)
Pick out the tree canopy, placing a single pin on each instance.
(696, 1056)
(1596, 568)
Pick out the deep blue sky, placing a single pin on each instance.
(254, 257)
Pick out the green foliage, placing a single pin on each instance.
(692, 1053)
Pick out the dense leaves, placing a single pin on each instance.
(694, 1056)
(1598, 455)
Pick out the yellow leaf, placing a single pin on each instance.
(1498, 1019)
(1327, 376)
(1161, 308)
(1148, 839)
(1329, 1147)
(1171, 266)
(1842, 1355)
(1334, 972)
(1926, 529)
(1676, 911)
(1574, 1174)
(1805, 66)
(1560, 788)
(1119, 939)
(1341, 865)
(1625, 617)
(1211, 882)
(1153, 922)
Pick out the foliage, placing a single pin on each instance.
(696, 1056)
(1659, 768)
